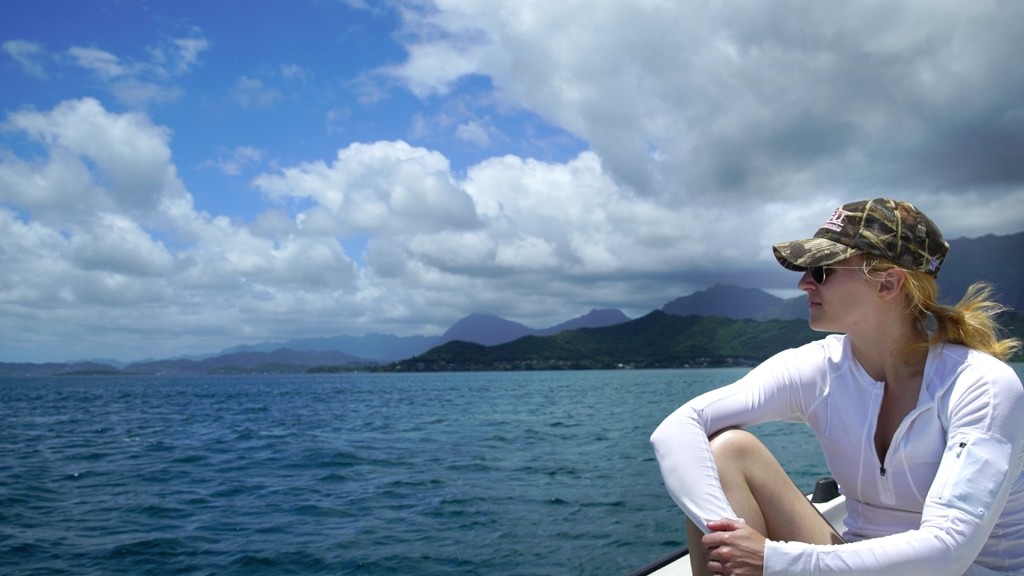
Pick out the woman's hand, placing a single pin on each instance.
(733, 548)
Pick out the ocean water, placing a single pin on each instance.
(369, 474)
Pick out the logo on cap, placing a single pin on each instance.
(835, 221)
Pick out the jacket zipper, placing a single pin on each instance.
(884, 486)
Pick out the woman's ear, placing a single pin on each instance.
(890, 282)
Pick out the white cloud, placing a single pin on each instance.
(233, 162)
(295, 72)
(103, 63)
(114, 243)
(386, 186)
(85, 236)
(187, 54)
(335, 118)
(30, 253)
(434, 68)
(708, 131)
(139, 83)
(693, 101)
(474, 132)
(526, 253)
(252, 93)
(103, 232)
(130, 155)
(27, 54)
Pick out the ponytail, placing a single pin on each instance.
(972, 322)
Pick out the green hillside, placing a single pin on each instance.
(657, 340)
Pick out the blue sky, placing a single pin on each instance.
(181, 177)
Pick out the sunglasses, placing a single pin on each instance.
(820, 273)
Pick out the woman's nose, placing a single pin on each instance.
(806, 282)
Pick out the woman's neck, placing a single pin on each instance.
(892, 351)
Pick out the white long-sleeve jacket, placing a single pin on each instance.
(949, 497)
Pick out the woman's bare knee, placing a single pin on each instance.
(737, 461)
(736, 443)
(761, 492)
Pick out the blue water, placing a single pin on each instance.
(468, 473)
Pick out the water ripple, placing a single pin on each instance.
(498, 474)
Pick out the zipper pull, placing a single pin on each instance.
(961, 449)
(885, 486)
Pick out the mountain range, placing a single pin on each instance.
(486, 329)
(656, 340)
(998, 260)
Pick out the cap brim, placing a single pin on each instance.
(800, 255)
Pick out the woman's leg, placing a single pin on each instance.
(698, 559)
(762, 494)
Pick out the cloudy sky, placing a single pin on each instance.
(181, 177)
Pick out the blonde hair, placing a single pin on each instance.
(972, 322)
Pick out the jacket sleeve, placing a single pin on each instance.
(681, 441)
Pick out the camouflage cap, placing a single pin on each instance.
(894, 231)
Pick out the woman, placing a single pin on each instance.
(919, 419)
